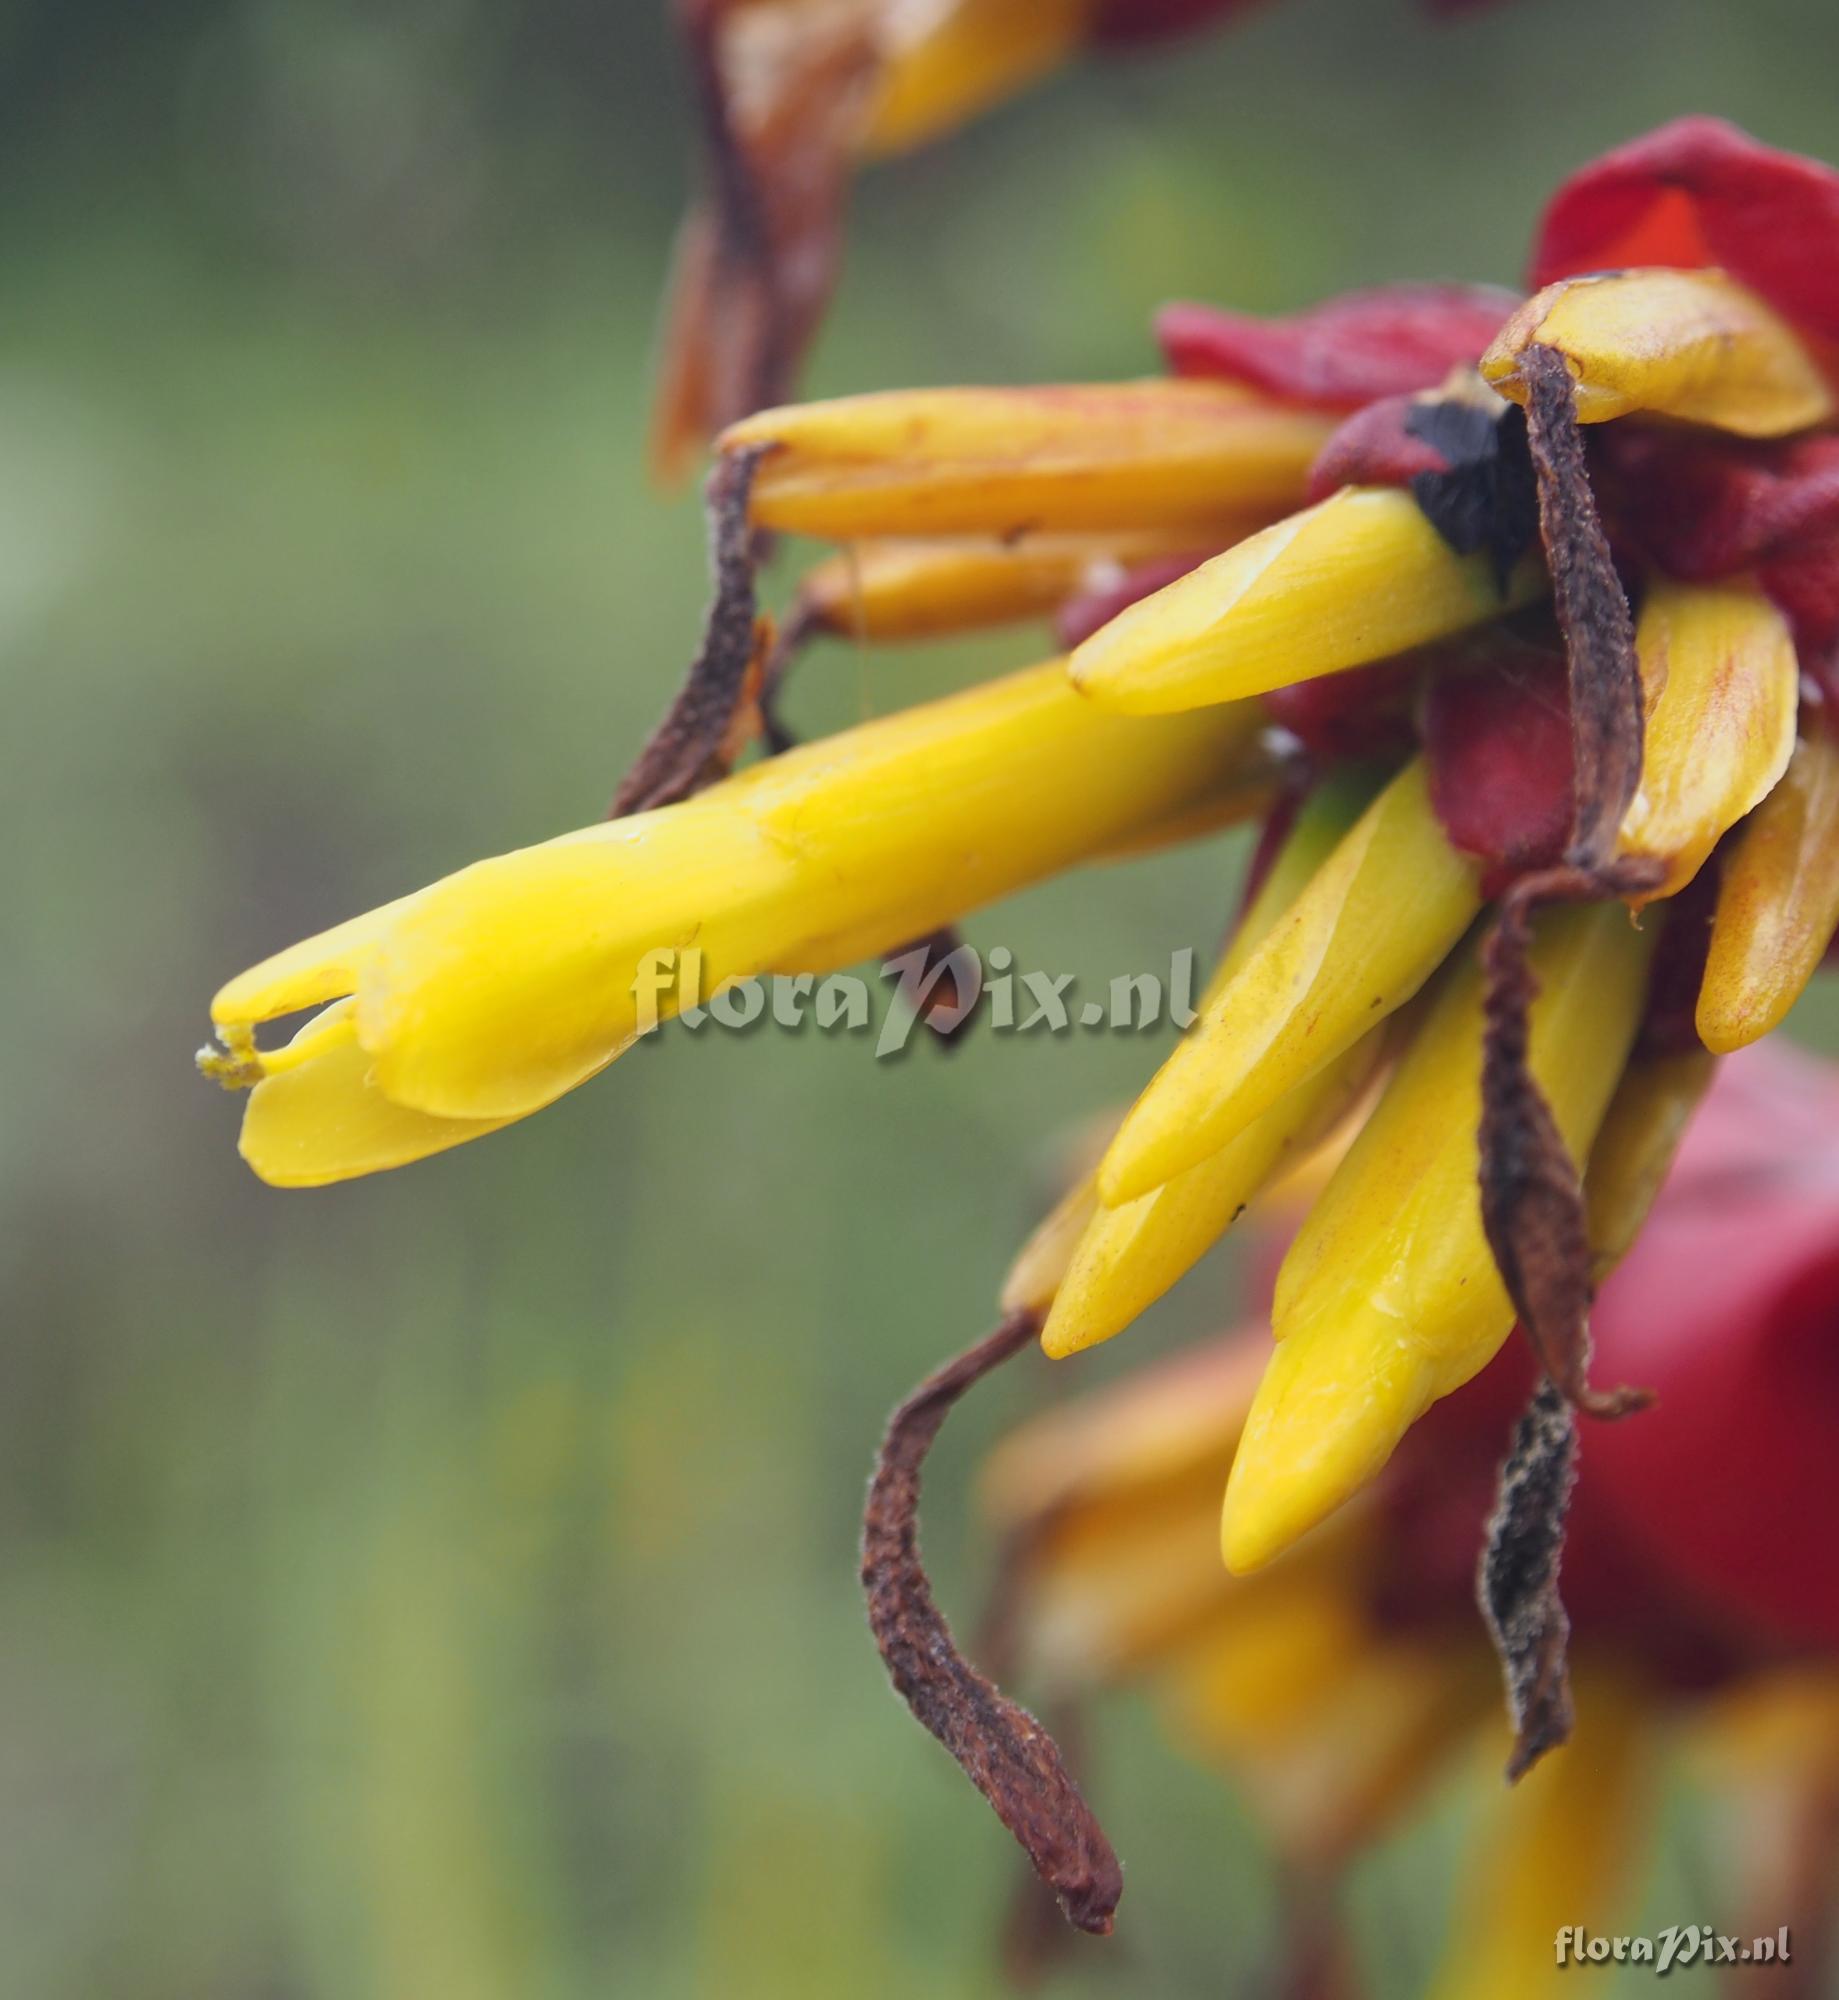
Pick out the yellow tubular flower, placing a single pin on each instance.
(1566, 1844)
(1374, 924)
(1694, 345)
(1126, 1257)
(920, 590)
(1641, 1131)
(491, 993)
(1778, 902)
(1158, 454)
(1389, 1297)
(1722, 687)
(1356, 578)
(314, 1116)
(954, 59)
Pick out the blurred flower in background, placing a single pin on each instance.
(792, 96)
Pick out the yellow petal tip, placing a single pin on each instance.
(1332, 1407)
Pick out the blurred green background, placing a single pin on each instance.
(442, 1588)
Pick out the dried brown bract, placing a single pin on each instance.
(706, 726)
(1001, 1748)
(1518, 1581)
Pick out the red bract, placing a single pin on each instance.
(1690, 503)
(1709, 506)
(1670, 1025)
(1373, 448)
(1365, 712)
(1704, 508)
(1496, 727)
(1350, 351)
(1700, 192)
(1729, 1307)
(1807, 590)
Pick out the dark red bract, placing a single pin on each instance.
(1496, 726)
(1703, 508)
(1373, 448)
(1363, 713)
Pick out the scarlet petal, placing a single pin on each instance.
(1498, 741)
(1700, 192)
(1347, 352)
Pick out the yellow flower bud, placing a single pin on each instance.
(1158, 454)
(1560, 1848)
(1641, 1131)
(1389, 1297)
(1358, 577)
(1778, 901)
(921, 590)
(1374, 924)
(1126, 1257)
(1722, 686)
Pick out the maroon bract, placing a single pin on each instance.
(1346, 353)
(1496, 725)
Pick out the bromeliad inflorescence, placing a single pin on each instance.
(1513, 621)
